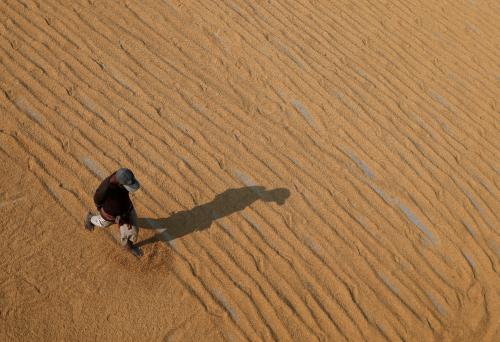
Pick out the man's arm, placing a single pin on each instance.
(101, 193)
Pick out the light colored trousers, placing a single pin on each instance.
(127, 232)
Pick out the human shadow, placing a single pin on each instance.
(202, 216)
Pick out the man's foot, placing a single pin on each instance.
(88, 223)
(129, 246)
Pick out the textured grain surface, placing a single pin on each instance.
(311, 170)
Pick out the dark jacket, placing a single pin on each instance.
(113, 199)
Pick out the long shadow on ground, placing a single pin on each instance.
(202, 216)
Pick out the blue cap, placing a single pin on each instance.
(126, 178)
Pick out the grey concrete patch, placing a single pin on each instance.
(225, 303)
(413, 218)
(342, 97)
(474, 202)
(470, 260)
(494, 246)
(252, 222)
(264, 234)
(247, 180)
(364, 224)
(471, 230)
(95, 167)
(89, 103)
(228, 336)
(123, 80)
(26, 107)
(388, 283)
(437, 304)
(313, 245)
(439, 98)
(481, 210)
(285, 50)
(382, 194)
(300, 107)
(361, 164)
(487, 185)
(361, 72)
(235, 8)
(296, 162)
